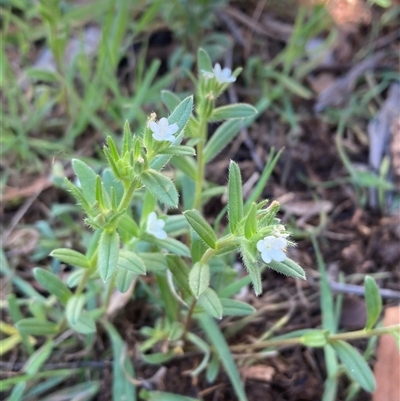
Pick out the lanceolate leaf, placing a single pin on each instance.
(87, 179)
(210, 302)
(202, 228)
(288, 267)
(52, 284)
(252, 268)
(182, 113)
(235, 198)
(221, 137)
(356, 366)
(71, 257)
(74, 308)
(36, 326)
(373, 301)
(250, 226)
(108, 254)
(232, 307)
(203, 61)
(199, 278)
(161, 187)
(240, 110)
(130, 261)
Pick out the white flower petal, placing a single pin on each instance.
(266, 257)
(155, 226)
(272, 248)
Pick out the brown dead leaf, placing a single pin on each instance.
(387, 367)
(258, 372)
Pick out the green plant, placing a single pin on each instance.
(190, 260)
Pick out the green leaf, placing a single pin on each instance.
(122, 387)
(108, 254)
(235, 197)
(232, 307)
(164, 396)
(124, 279)
(221, 137)
(315, 338)
(182, 113)
(373, 301)
(232, 111)
(180, 271)
(251, 266)
(71, 257)
(161, 187)
(179, 151)
(127, 139)
(77, 193)
(38, 358)
(170, 99)
(185, 164)
(356, 366)
(203, 346)
(221, 347)
(288, 267)
(210, 302)
(170, 244)
(74, 308)
(202, 228)
(37, 327)
(51, 283)
(154, 262)
(82, 392)
(199, 278)
(197, 246)
(87, 179)
(250, 225)
(85, 324)
(203, 61)
(131, 261)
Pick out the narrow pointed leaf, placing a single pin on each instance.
(288, 267)
(179, 151)
(356, 366)
(216, 338)
(161, 187)
(130, 261)
(124, 279)
(199, 278)
(122, 388)
(53, 284)
(182, 113)
(203, 61)
(108, 254)
(210, 302)
(373, 301)
(85, 324)
(232, 307)
(235, 198)
(202, 228)
(36, 326)
(250, 225)
(87, 179)
(180, 271)
(71, 257)
(74, 308)
(232, 111)
(221, 137)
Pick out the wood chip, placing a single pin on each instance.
(258, 372)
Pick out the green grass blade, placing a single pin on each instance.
(221, 347)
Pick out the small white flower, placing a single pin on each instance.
(162, 131)
(155, 226)
(272, 248)
(223, 76)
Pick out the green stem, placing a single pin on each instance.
(128, 194)
(353, 335)
(200, 164)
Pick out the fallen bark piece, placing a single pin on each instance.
(387, 367)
